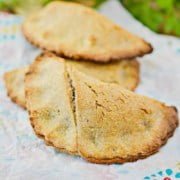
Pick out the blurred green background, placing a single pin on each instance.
(162, 16)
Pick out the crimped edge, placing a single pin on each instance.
(97, 58)
(137, 76)
(9, 93)
(173, 124)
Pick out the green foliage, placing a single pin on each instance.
(20, 6)
(162, 16)
(99, 2)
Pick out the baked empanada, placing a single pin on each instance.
(124, 73)
(102, 122)
(75, 31)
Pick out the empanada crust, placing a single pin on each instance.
(78, 32)
(110, 124)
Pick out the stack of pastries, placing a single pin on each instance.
(79, 91)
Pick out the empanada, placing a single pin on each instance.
(75, 31)
(102, 122)
(124, 73)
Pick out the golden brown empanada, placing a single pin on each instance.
(75, 31)
(102, 122)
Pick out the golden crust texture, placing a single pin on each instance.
(101, 122)
(78, 32)
(124, 73)
(115, 125)
(48, 102)
(14, 82)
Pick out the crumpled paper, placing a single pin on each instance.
(24, 156)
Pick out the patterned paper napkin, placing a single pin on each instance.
(24, 156)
